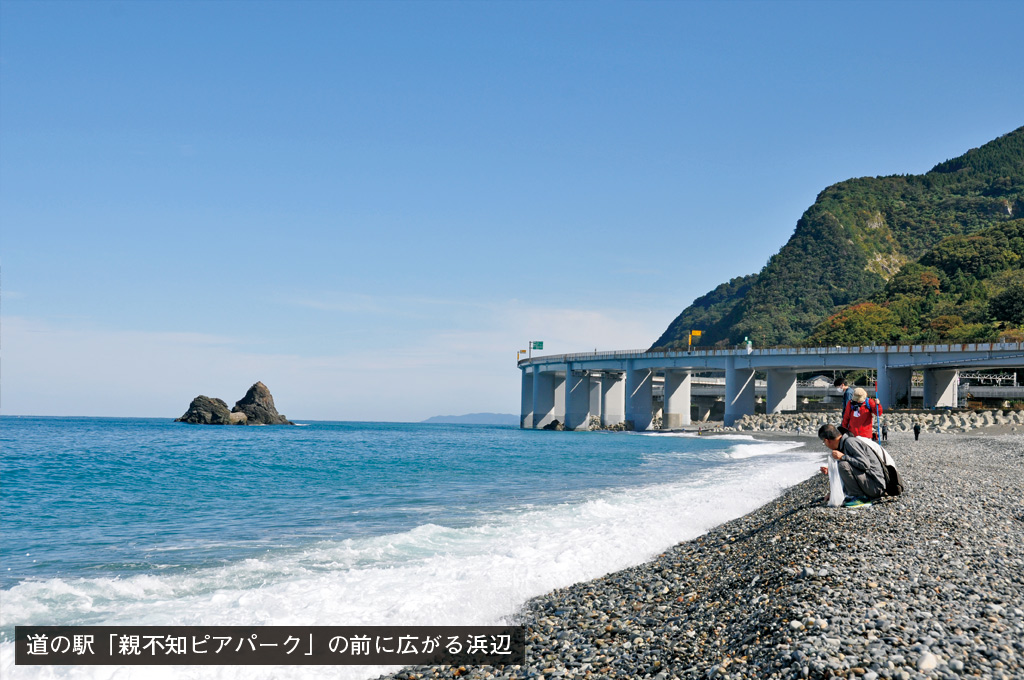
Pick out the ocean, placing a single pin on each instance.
(111, 521)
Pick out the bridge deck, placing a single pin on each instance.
(618, 386)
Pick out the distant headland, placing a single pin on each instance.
(255, 408)
(477, 419)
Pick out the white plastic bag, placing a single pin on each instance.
(836, 495)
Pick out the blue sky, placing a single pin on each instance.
(371, 206)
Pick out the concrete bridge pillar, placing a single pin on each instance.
(558, 412)
(705, 405)
(676, 412)
(577, 399)
(526, 402)
(781, 391)
(596, 401)
(739, 391)
(940, 387)
(543, 398)
(613, 399)
(639, 398)
(893, 385)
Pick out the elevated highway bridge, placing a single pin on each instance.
(619, 387)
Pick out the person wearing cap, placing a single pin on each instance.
(859, 414)
(859, 468)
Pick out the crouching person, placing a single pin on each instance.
(859, 469)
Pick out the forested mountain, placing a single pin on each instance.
(904, 258)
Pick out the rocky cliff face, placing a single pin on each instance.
(258, 407)
(255, 408)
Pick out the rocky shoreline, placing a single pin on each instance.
(927, 585)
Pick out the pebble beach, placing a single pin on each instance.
(926, 585)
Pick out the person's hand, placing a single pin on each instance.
(837, 455)
(824, 470)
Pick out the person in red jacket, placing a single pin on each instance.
(860, 412)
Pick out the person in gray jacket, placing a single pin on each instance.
(859, 468)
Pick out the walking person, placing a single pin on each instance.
(885, 432)
(840, 384)
(917, 431)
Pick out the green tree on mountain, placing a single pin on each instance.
(1008, 306)
(862, 324)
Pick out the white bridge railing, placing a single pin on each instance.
(616, 355)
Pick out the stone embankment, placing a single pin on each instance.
(925, 586)
(595, 425)
(897, 421)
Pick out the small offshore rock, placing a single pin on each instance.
(258, 407)
(206, 410)
(255, 408)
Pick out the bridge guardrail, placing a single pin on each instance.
(776, 351)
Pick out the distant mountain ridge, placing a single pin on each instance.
(477, 419)
(904, 258)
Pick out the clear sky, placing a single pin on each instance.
(371, 206)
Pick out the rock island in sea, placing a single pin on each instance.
(926, 585)
(255, 408)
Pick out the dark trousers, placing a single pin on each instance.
(858, 485)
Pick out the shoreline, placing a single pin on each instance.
(900, 422)
(927, 585)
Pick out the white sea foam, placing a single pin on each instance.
(692, 435)
(750, 448)
(432, 575)
(683, 435)
(761, 449)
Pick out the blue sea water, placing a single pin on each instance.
(145, 521)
